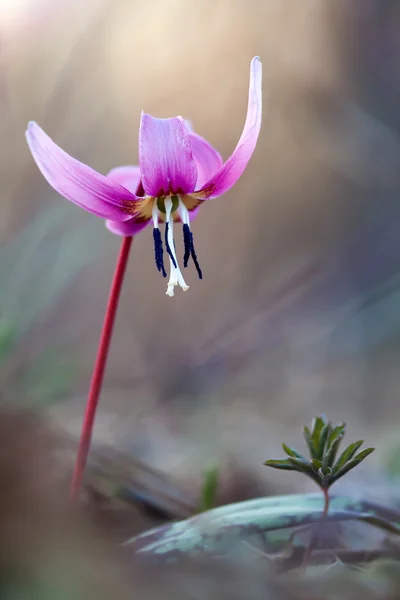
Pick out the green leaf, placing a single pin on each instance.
(299, 462)
(347, 455)
(317, 464)
(291, 452)
(8, 337)
(283, 464)
(272, 515)
(324, 435)
(331, 453)
(363, 454)
(381, 522)
(352, 463)
(325, 472)
(305, 467)
(209, 491)
(316, 428)
(311, 447)
(337, 431)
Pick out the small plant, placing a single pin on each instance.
(323, 441)
(289, 531)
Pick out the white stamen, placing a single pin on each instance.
(176, 276)
(183, 212)
(154, 214)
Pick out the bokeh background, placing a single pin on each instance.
(299, 309)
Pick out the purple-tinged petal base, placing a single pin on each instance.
(165, 157)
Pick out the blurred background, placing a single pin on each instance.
(299, 309)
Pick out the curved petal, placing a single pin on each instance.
(208, 160)
(127, 228)
(128, 176)
(233, 168)
(76, 181)
(165, 156)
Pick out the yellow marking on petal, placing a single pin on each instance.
(192, 201)
(142, 209)
(204, 194)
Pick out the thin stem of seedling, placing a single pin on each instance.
(99, 368)
(314, 538)
(325, 491)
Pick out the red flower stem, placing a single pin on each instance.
(99, 368)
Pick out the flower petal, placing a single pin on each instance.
(233, 168)
(208, 160)
(128, 176)
(76, 181)
(165, 156)
(127, 228)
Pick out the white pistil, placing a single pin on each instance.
(176, 277)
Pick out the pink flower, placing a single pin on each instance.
(178, 170)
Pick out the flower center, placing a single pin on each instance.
(168, 206)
